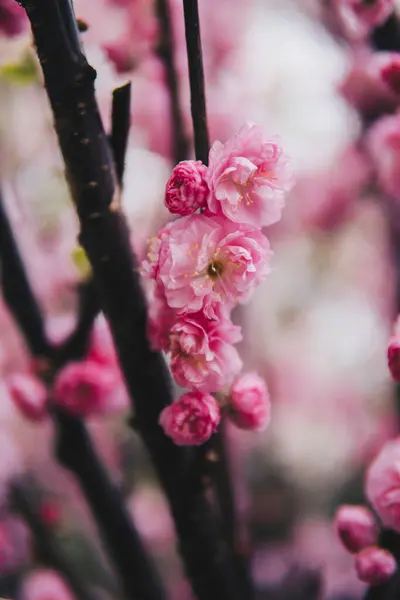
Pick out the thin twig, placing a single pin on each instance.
(46, 544)
(165, 52)
(120, 125)
(196, 77)
(106, 239)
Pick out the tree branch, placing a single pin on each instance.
(105, 237)
(196, 77)
(165, 52)
(120, 125)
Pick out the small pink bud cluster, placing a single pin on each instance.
(358, 531)
(83, 388)
(205, 262)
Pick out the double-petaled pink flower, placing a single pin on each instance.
(203, 262)
(202, 353)
(187, 190)
(191, 420)
(248, 177)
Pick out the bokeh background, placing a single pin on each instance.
(317, 329)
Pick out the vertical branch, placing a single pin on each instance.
(46, 544)
(196, 78)
(120, 125)
(165, 52)
(17, 291)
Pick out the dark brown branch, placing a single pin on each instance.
(196, 77)
(120, 125)
(47, 546)
(166, 53)
(106, 239)
(17, 291)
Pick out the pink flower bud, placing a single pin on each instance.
(375, 565)
(12, 18)
(250, 403)
(29, 395)
(186, 189)
(50, 513)
(84, 388)
(390, 72)
(191, 420)
(356, 527)
(393, 355)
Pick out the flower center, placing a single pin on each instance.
(215, 269)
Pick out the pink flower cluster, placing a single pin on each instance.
(83, 388)
(201, 265)
(358, 531)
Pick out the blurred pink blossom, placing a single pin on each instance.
(375, 565)
(249, 404)
(383, 144)
(84, 388)
(248, 178)
(161, 318)
(356, 527)
(360, 17)
(383, 484)
(187, 190)
(12, 18)
(44, 584)
(206, 261)
(393, 352)
(29, 395)
(191, 420)
(202, 353)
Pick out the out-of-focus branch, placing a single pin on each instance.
(387, 36)
(196, 77)
(17, 291)
(165, 52)
(47, 546)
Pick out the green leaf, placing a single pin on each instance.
(22, 72)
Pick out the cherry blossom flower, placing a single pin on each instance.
(186, 189)
(12, 18)
(383, 143)
(250, 406)
(356, 527)
(84, 388)
(161, 318)
(191, 420)
(375, 565)
(359, 17)
(202, 354)
(383, 484)
(206, 261)
(248, 177)
(29, 395)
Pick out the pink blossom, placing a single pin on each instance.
(250, 405)
(390, 72)
(12, 18)
(84, 388)
(383, 484)
(202, 354)
(187, 190)
(393, 352)
(102, 349)
(359, 17)
(383, 143)
(248, 177)
(356, 527)
(44, 584)
(375, 565)
(206, 261)
(29, 395)
(191, 420)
